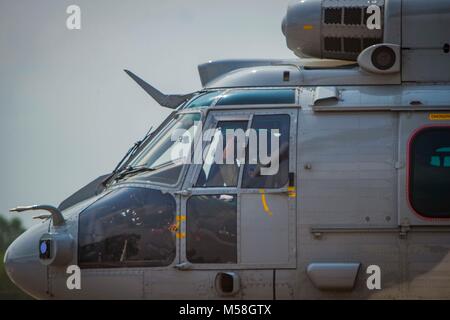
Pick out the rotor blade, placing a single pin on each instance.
(165, 100)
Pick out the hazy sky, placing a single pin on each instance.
(68, 112)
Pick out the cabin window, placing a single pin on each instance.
(211, 229)
(277, 127)
(257, 96)
(221, 164)
(429, 174)
(129, 227)
(203, 100)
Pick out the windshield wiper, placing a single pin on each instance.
(130, 153)
(132, 170)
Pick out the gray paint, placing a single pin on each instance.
(333, 276)
(351, 210)
(350, 207)
(272, 76)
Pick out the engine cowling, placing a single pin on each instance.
(333, 29)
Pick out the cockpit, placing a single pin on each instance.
(165, 154)
(178, 201)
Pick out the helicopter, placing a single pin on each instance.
(357, 208)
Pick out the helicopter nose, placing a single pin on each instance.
(22, 263)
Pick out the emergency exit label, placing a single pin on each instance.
(439, 116)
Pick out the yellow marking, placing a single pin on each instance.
(439, 116)
(180, 235)
(176, 227)
(292, 193)
(307, 27)
(264, 202)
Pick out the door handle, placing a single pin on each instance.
(183, 266)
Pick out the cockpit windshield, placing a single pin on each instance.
(128, 227)
(166, 154)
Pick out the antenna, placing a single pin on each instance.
(165, 100)
(58, 218)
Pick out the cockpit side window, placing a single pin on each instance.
(429, 172)
(275, 127)
(129, 227)
(212, 229)
(221, 165)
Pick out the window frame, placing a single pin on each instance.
(207, 145)
(409, 168)
(232, 113)
(251, 122)
(237, 213)
(211, 120)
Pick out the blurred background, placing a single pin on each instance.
(68, 112)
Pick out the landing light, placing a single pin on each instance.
(44, 249)
(56, 248)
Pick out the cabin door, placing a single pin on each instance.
(238, 204)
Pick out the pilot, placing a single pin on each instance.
(222, 174)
